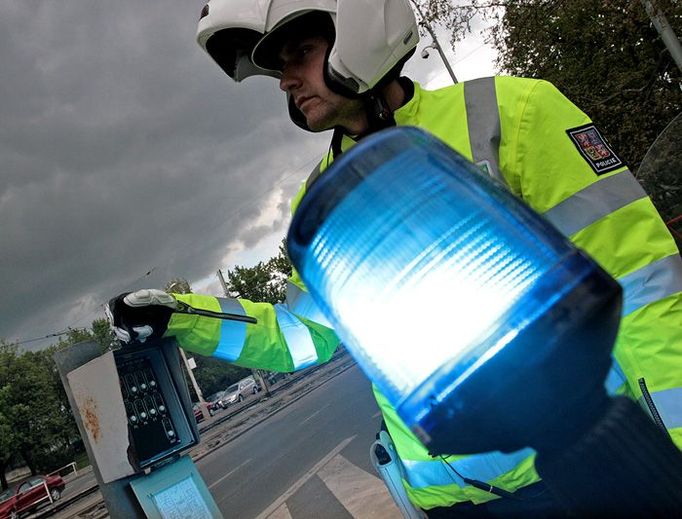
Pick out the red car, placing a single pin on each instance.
(28, 495)
(213, 402)
(198, 413)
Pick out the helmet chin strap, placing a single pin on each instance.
(379, 115)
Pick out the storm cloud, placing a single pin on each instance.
(128, 158)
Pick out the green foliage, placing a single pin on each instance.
(264, 282)
(35, 422)
(103, 334)
(215, 375)
(8, 436)
(456, 18)
(605, 56)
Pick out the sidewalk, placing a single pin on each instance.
(222, 430)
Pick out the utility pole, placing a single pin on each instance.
(190, 372)
(226, 292)
(670, 39)
(435, 44)
(257, 375)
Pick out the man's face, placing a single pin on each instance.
(303, 79)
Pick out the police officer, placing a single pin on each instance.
(339, 63)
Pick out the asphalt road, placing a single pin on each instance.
(288, 462)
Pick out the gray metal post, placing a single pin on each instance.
(118, 495)
(670, 39)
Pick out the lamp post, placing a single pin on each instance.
(670, 39)
(435, 44)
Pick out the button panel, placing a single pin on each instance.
(149, 421)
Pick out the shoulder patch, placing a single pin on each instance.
(594, 149)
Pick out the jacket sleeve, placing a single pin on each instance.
(560, 164)
(287, 337)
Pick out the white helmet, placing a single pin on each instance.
(372, 37)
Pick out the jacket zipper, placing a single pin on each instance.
(652, 407)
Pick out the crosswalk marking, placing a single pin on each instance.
(315, 413)
(298, 484)
(362, 494)
(229, 474)
(281, 513)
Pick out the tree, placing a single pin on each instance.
(265, 282)
(103, 334)
(35, 422)
(8, 439)
(457, 18)
(605, 56)
(215, 375)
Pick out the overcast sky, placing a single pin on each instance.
(129, 158)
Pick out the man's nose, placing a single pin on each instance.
(288, 81)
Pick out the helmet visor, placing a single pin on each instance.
(231, 49)
(266, 53)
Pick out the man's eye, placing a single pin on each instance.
(304, 50)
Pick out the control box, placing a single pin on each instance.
(160, 422)
(132, 405)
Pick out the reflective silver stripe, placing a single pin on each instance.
(594, 202)
(301, 303)
(615, 379)
(483, 467)
(313, 175)
(655, 281)
(232, 333)
(483, 120)
(300, 343)
(668, 403)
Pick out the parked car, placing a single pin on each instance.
(275, 376)
(198, 413)
(30, 494)
(239, 391)
(213, 402)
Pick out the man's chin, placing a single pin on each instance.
(317, 124)
(317, 128)
(317, 120)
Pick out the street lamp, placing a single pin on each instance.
(434, 43)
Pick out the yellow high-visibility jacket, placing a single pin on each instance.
(526, 134)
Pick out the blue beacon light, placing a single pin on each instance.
(461, 304)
